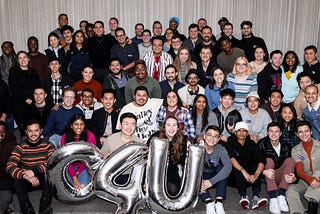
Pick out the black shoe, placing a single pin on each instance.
(313, 207)
(27, 209)
(47, 210)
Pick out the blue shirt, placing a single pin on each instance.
(213, 95)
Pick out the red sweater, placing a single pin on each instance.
(94, 85)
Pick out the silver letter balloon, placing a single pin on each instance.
(145, 172)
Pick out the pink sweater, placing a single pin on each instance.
(72, 172)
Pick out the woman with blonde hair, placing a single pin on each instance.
(244, 81)
(183, 63)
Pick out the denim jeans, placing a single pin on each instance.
(55, 139)
(221, 186)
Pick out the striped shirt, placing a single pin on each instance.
(29, 156)
(242, 89)
(165, 59)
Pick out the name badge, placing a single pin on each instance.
(248, 121)
(301, 157)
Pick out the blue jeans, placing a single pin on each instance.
(55, 139)
(221, 186)
(83, 177)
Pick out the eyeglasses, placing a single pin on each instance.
(192, 78)
(140, 69)
(87, 96)
(241, 64)
(121, 35)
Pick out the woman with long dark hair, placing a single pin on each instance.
(177, 152)
(172, 106)
(77, 131)
(78, 55)
(202, 116)
(288, 121)
(22, 81)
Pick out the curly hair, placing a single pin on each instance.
(176, 143)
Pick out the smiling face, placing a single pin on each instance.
(241, 134)
(193, 79)
(206, 34)
(287, 114)
(218, 76)
(290, 60)
(68, 99)
(113, 24)
(274, 133)
(63, 20)
(115, 67)
(33, 46)
(7, 49)
(201, 104)
(108, 100)
(304, 82)
(157, 46)
(172, 99)
(170, 74)
(226, 101)
(259, 54)
(241, 66)
(23, 61)
(304, 133)
(171, 127)
(79, 38)
(87, 98)
(33, 132)
(138, 30)
(78, 127)
(275, 99)
(141, 72)
(184, 55)
(276, 60)
(211, 138)
(39, 96)
(128, 126)
(87, 74)
(205, 54)
(310, 56)
(54, 66)
(253, 103)
(54, 41)
(246, 30)
(226, 45)
(141, 98)
(228, 30)
(98, 29)
(120, 37)
(193, 33)
(312, 94)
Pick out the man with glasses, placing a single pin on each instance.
(59, 119)
(141, 78)
(191, 90)
(127, 53)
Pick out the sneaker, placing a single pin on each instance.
(274, 206)
(283, 203)
(244, 202)
(210, 208)
(258, 202)
(219, 208)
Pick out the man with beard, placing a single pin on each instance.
(38, 60)
(141, 78)
(117, 80)
(27, 166)
(171, 82)
(208, 39)
(145, 109)
(99, 50)
(138, 29)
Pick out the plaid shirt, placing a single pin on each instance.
(56, 91)
(184, 118)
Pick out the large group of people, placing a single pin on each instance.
(256, 114)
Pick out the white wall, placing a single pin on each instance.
(284, 25)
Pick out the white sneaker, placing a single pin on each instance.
(219, 208)
(210, 208)
(283, 203)
(274, 206)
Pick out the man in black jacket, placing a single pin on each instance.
(270, 77)
(104, 120)
(279, 168)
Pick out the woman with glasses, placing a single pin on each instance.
(243, 81)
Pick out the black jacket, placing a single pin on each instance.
(285, 151)
(5, 98)
(32, 112)
(66, 81)
(233, 117)
(98, 122)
